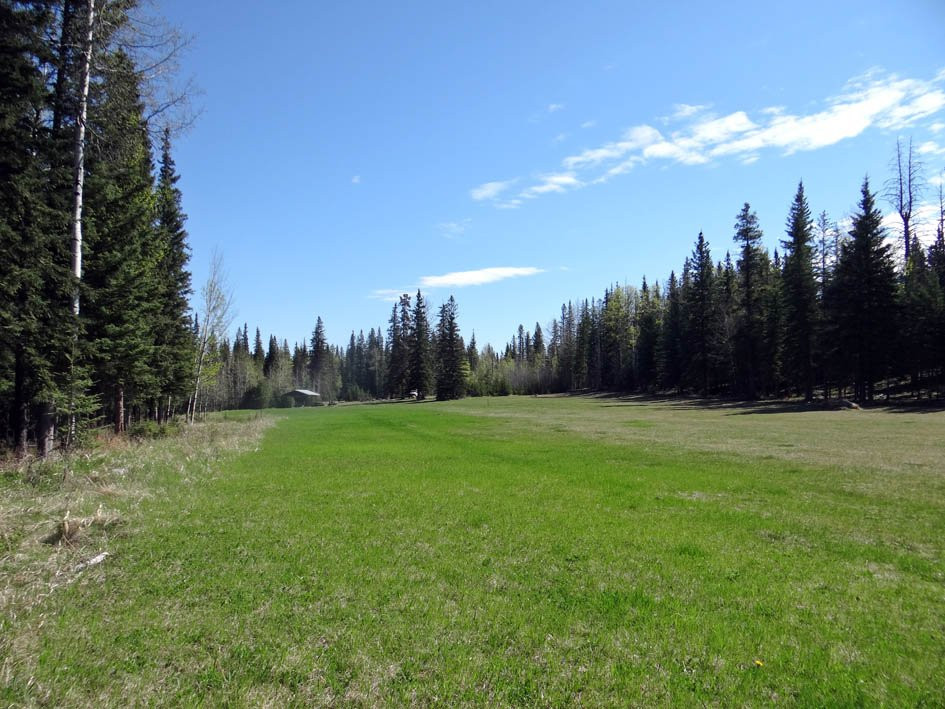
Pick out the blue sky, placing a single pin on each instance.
(521, 154)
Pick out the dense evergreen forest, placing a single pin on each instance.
(97, 328)
(94, 317)
(830, 314)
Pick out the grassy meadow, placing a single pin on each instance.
(501, 552)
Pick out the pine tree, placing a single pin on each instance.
(750, 325)
(864, 298)
(800, 297)
(120, 280)
(174, 341)
(259, 354)
(318, 357)
(922, 308)
(472, 353)
(700, 316)
(647, 338)
(771, 353)
(420, 365)
(398, 362)
(451, 369)
(670, 360)
(34, 341)
(616, 340)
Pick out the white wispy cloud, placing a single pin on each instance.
(555, 107)
(490, 190)
(930, 147)
(937, 127)
(356, 180)
(388, 295)
(453, 230)
(633, 139)
(589, 124)
(685, 110)
(555, 182)
(482, 276)
(874, 100)
(559, 138)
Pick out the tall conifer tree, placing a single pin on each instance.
(750, 325)
(800, 296)
(864, 298)
(421, 369)
(451, 367)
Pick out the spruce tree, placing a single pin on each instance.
(922, 308)
(451, 367)
(864, 298)
(174, 346)
(647, 338)
(34, 336)
(672, 336)
(398, 361)
(318, 357)
(800, 297)
(700, 313)
(771, 353)
(472, 353)
(420, 365)
(120, 308)
(750, 324)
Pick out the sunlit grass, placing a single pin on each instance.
(523, 552)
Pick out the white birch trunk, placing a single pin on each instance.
(79, 181)
(78, 186)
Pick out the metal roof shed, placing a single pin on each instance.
(303, 397)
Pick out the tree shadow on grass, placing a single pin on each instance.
(740, 407)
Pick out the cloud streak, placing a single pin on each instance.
(482, 276)
(698, 137)
(490, 190)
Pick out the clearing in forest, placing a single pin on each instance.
(518, 551)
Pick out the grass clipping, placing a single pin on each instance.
(58, 517)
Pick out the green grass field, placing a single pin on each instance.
(519, 551)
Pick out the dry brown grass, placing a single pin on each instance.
(57, 514)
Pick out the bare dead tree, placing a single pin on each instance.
(904, 189)
(157, 49)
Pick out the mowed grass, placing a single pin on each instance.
(523, 551)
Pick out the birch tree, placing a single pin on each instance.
(216, 315)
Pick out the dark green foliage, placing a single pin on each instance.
(128, 356)
(33, 274)
(398, 360)
(420, 367)
(120, 306)
(698, 295)
(671, 355)
(318, 356)
(771, 353)
(864, 299)
(922, 310)
(174, 343)
(800, 297)
(749, 327)
(451, 369)
(648, 329)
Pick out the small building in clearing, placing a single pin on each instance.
(304, 397)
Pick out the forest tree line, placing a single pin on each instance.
(828, 314)
(97, 327)
(95, 317)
